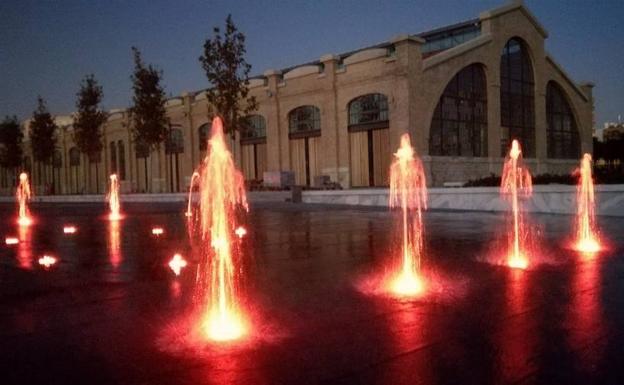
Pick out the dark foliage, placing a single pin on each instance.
(11, 136)
(89, 118)
(42, 133)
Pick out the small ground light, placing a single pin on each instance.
(47, 261)
(240, 231)
(158, 231)
(177, 263)
(11, 241)
(69, 229)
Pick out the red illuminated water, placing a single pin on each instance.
(408, 192)
(515, 182)
(23, 195)
(222, 198)
(586, 233)
(113, 199)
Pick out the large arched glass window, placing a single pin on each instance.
(113, 157)
(202, 132)
(517, 97)
(562, 133)
(255, 128)
(369, 110)
(121, 166)
(57, 161)
(74, 157)
(459, 124)
(304, 121)
(175, 141)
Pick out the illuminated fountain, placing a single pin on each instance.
(194, 179)
(222, 197)
(113, 199)
(23, 194)
(515, 181)
(177, 263)
(586, 235)
(408, 191)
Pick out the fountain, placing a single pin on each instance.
(23, 194)
(113, 199)
(587, 240)
(177, 263)
(194, 179)
(515, 181)
(222, 196)
(408, 191)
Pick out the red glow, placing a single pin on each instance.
(177, 263)
(194, 180)
(222, 193)
(11, 240)
(24, 249)
(408, 190)
(516, 180)
(69, 229)
(113, 199)
(23, 195)
(114, 243)
(47, 261)
(158, 231)
(587, 240)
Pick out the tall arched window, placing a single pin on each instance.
(459, 124)
(255, 128)
(368, 110)
(175, 141)
(74, 157)
(203, 136)
(121, 166)
(113, 157)
(562, 134)
(517, 97)
(304, 121)
(57, 160)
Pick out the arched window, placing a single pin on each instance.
(459, 124)
(304, 121)
(121, 167)
(562, 133)
(175, 141)
(74, 157)
(517, 97)
(57, 160)
(27, 164)
(255, 128)
(203, 136)
(368, 112)
(113, 157)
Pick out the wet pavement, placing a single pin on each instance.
(111, 312)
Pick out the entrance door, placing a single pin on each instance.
(304, 159)
(370, 157)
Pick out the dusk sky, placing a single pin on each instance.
(46, 47)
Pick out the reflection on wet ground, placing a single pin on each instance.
(98, 315)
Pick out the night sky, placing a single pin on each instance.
(46, 47)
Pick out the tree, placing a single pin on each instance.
(228, 74)
(150, 124)
(88, 122)
(42, 137)
(11, 152)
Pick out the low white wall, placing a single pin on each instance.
(553, 199)
(253, 196)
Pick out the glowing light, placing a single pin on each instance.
(223, 326)
(177, 263)
(516, 180)
(11, 240)
(47, 261)
(23, 195)
(222, 193)
(240, 231)
(114, 243)
(587, 240)
(113, 199)
(408, 190)
(158, 231)
(69, 229)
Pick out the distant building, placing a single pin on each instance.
(613, 131)
(463, 92)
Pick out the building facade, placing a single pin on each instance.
(462, 92)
